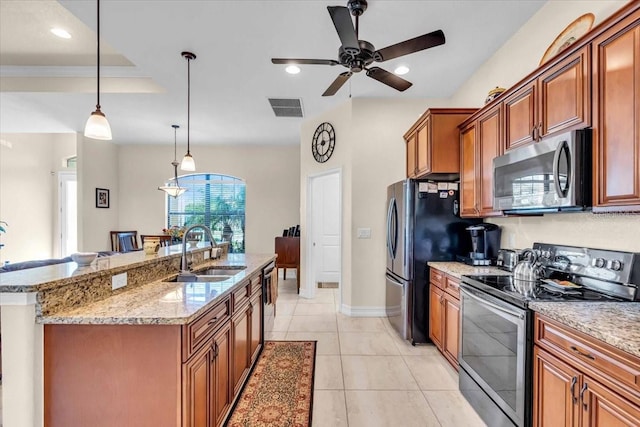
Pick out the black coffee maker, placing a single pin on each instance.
(485, 244)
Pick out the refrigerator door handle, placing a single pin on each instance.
(389, 248)
(393, 228)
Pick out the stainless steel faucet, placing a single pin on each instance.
(184, 267)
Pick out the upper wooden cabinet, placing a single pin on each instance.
(557, 100)
(616, 117)
(433, 143)
(481, 140)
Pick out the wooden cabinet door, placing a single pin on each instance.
(616, 117)
(221, 370)
(435, 315)
(256, 314)
(240, 333)
(556, 387)
(520, 116)
(565, 95)
(451, 316)
(602, 408)
(468, 172)
(490, 142)
(423, 143)
(412, 147)
(197, 399)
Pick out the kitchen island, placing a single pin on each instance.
(145, 353)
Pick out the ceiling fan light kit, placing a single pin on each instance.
(174, 190)
(188, 164)
(97, 126)
(357, 55)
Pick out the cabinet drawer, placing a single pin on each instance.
(256, 283)
(437, 277)
(201, 329)
(241, 295)
(452, 286)
(592, 355)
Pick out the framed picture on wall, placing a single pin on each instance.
(102, 198)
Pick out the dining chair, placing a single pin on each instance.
(124, 241)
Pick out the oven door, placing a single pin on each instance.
(494, 349)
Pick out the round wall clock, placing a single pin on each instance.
(323, 142)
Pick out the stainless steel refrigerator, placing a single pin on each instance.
(423, 224)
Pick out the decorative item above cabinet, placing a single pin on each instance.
(433, 147)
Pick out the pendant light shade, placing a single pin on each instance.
(188, 164)
(97, 126)
(174, 190)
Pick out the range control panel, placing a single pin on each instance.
(612, 266)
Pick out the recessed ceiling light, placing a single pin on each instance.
(63, 34)
(401, 70)
(292, 69)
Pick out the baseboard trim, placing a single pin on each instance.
(306, 293)
(363, 311)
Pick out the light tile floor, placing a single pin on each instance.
(365, 374)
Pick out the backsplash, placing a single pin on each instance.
(605, 231)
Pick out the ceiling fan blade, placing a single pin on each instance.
(304, 61)
(390, 79)
(341, 18)
(337, 83)
(406, 47)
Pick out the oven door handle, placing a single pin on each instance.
(492, 305)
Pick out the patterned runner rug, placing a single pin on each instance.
(279, 392)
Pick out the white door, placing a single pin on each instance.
(326, 228)
(68, 203)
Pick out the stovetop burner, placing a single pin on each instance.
(505, 288)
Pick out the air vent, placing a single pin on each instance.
(283, 107)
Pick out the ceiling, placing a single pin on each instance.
(47, 84)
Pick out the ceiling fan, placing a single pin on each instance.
(357, 55)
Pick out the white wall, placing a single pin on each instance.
(371, 153)
(270, 173)
(97, 168)
(517, 58)
(28, 173)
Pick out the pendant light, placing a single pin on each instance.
(97, 126)
(174, 190)
(188, 164)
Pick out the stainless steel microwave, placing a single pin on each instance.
(548, 176)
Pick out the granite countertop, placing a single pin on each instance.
(457, 269)
(615, 323)
(161, 302)
(47, 277)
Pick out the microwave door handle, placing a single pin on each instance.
(556, 169)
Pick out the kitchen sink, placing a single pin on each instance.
(210, 275)
(222, 271)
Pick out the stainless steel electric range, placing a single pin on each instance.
(496, 338)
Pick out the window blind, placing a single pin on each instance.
(217, 201)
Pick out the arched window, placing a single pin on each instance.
(217, 201)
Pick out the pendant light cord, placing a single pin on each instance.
(188, 104)
(98, 36)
